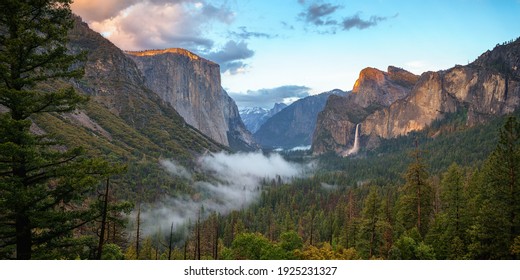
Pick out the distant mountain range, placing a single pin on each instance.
(255, 117)
(294, 125)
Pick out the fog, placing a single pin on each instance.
(328, 186)
(235, 183)
(175, 169)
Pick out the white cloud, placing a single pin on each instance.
(154, 24)
(175, 169)
(418, 66)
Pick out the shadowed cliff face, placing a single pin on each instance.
(486, 88)
(293, 126)
(191, 84)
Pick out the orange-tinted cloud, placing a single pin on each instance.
(153, 24)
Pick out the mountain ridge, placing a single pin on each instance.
(123, 117)
(483, 89)
(294, 125)
(255, 117)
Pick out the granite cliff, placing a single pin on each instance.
(123, 117)
(484, 89)
(374, 90)
(191, 84)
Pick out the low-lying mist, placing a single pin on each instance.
(234, 183)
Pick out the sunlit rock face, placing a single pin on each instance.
(192, 85)
(377, 88)
(373, 90)
(396, 102)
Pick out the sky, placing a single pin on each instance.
(280, 50)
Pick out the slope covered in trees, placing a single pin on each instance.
(431, 206)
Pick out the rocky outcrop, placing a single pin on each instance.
(375, 88)
(191, 84)
(484, 89)
(484, 93)
(294, 125)
(373, 91)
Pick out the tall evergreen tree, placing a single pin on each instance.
(42, 187)
(416, 198)
(448, 234)
(370, 236)
(498, 218)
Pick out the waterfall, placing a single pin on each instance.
(355, 148)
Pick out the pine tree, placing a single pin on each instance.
(370, 237)
(498, 217)
(110, 212)
(454, 200)
(416, 198)
(41, 186)
(448, 234)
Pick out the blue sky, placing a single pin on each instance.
(280, 50)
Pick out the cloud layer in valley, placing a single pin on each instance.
(236, 184)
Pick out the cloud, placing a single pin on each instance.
(328, 186)
(154, 24)
(356, 22)
(418, 66)
(221, 13)
(160, 24)
(236, 184)
(324, 19)
(175, 169)
(243, 34)
(266, 98)
(287, 25)
(99, 10)
(317, 14)
(231, 55)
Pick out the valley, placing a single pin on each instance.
(108, 153)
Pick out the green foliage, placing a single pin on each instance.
(409, 247)
(461, 217)
(112, 252)
(43, 185)
(415, 203)
(498, 189)
(326, 252)
(448, 233)
(251, 246)
(290, 241)
(370, 234)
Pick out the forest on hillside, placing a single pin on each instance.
(462, 212)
